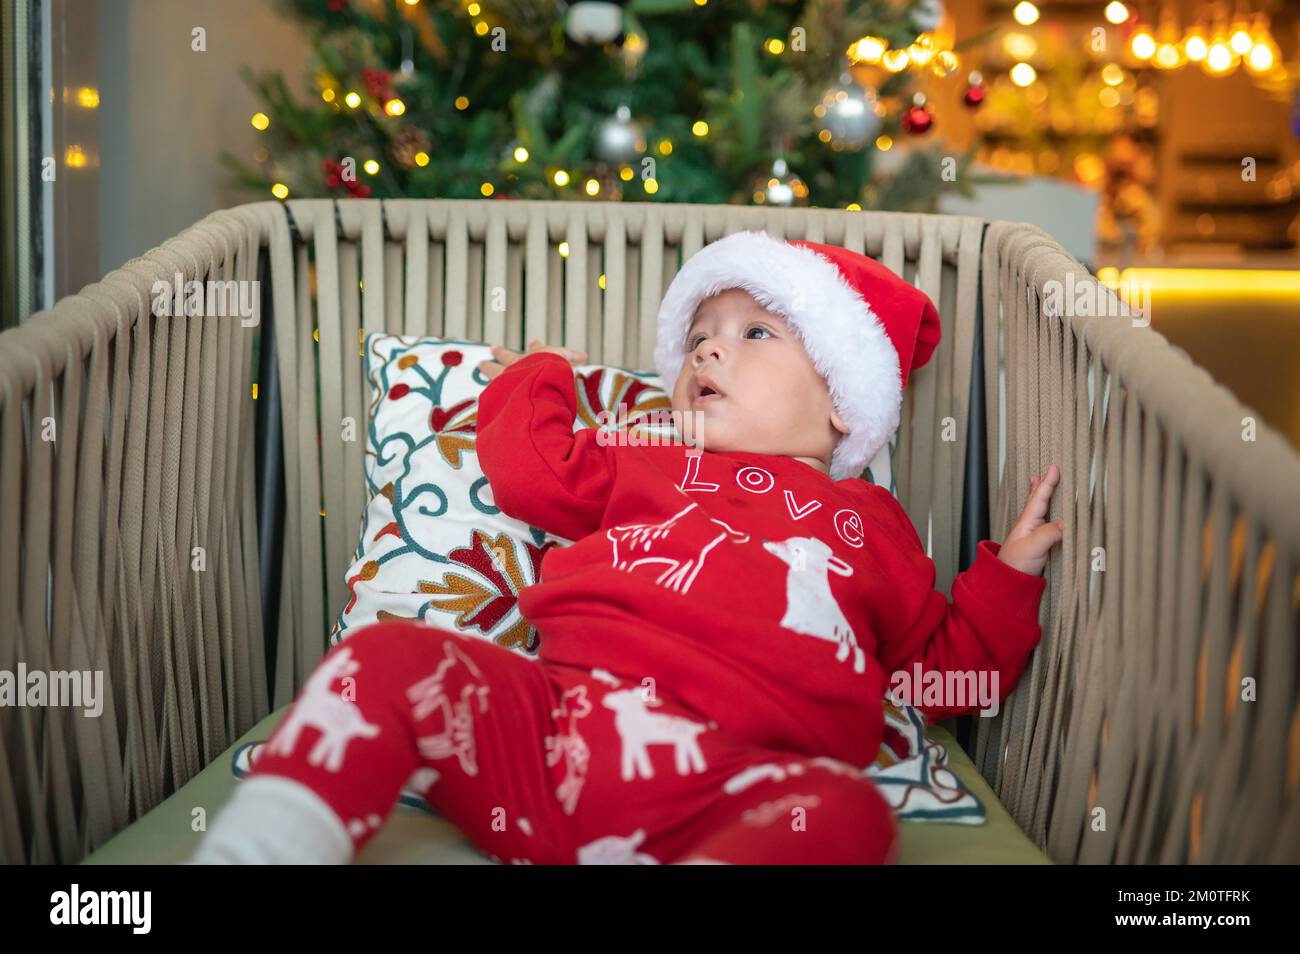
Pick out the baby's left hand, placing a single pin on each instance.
(1031, 539)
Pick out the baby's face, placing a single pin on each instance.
(769, 397)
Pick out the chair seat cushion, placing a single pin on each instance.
(412, 836)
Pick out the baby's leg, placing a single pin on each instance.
(460, 719)
(785, 810)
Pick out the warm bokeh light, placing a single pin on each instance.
(462, 102)
(561, 178)
(1143, 45)
(1025, 13)
(327, 95)
(1240, 41)
(260, 121)
(394, 107)
(1260, 59)
(1167, 57)
(88, 97)
(1112, 74)
(1195, 47)
(626, 173)
(651, 186)
(895, 60)
(1022, 74)
(487, 189)
(665, 147)
(353, 99)
(775, 47)
(869, 49)
(564, 249)
(1219, 58)
(421, 159)
(884, 143)
(521, 154)
(280, 190)
(700, 128)
(371, 167)
(1116, 12)
(592, 186)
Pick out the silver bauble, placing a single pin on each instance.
(782, 188)
(592, 23)
(620, 138)
(850, 114)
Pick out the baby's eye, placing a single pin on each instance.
(757, 328)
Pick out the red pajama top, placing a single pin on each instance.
(753, 588)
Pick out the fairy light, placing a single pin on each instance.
(775, 47)
(1260, 59)
(869, 49)
(371, 167)
(561, 178)
(260, 121)
(1116, 12)
(1240, 41)
(1025, 13)
(564, 249)
(280, 190)
(1022, 74)
(895, 60)
(700, 128)
(422, 159)
(462, 102)
(1112, 74)
(88, 97)
(1219, 58)
(353, 99)
(521, 154)
(1143, 45)
(394, 107)
(651, 186)
(487, 189)
(327, 95)
(591, 186)
(1195, 47)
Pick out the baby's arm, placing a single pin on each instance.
(540, 470)
(990, 626)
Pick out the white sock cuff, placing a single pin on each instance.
(275, 820)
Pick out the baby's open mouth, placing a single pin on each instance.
(706, 390)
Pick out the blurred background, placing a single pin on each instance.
(1158, 141)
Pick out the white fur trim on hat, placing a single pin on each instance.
(842, 335)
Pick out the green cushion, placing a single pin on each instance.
(410, 836)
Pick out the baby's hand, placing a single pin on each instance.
(1031, 539)
(505, 357)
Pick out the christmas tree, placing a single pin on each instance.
(784, 102)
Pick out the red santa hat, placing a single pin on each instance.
(864, 328)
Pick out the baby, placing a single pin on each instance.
(716, 643)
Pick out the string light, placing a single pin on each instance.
(353, 99)
(561, 178)
(1025, 13)
(260, 121)
(371, 166)
(592, 187)
(700, 128)
(521, 154)
(1143, 45)
(280, 190)
(1022, 74)
(1116, 12)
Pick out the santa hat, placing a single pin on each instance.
(864, 328)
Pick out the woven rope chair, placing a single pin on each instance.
(127, 440)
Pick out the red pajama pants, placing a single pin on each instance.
(551, 764)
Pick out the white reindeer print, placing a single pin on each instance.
(773, 771)
(570, 746)
(338, 720)
(457, 736)
(639, 728)
(616, 850)
(810, 606)
(679, 571)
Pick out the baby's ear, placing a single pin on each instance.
(838, 422)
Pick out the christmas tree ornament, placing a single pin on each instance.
(782, 188)
(849, 114)
(918, 118)
(594, 22)
(620, 138)
(927, 15)
(975, 92)
(406, 145)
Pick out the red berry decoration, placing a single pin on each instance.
(917, 118)
(399, 391)
(973, 95)
(452, 358)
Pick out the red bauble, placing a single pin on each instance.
(974, 96)
(362, 191)
(917, 120)
(337, 6)
(332, 181)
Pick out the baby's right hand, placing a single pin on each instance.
(505, 357)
